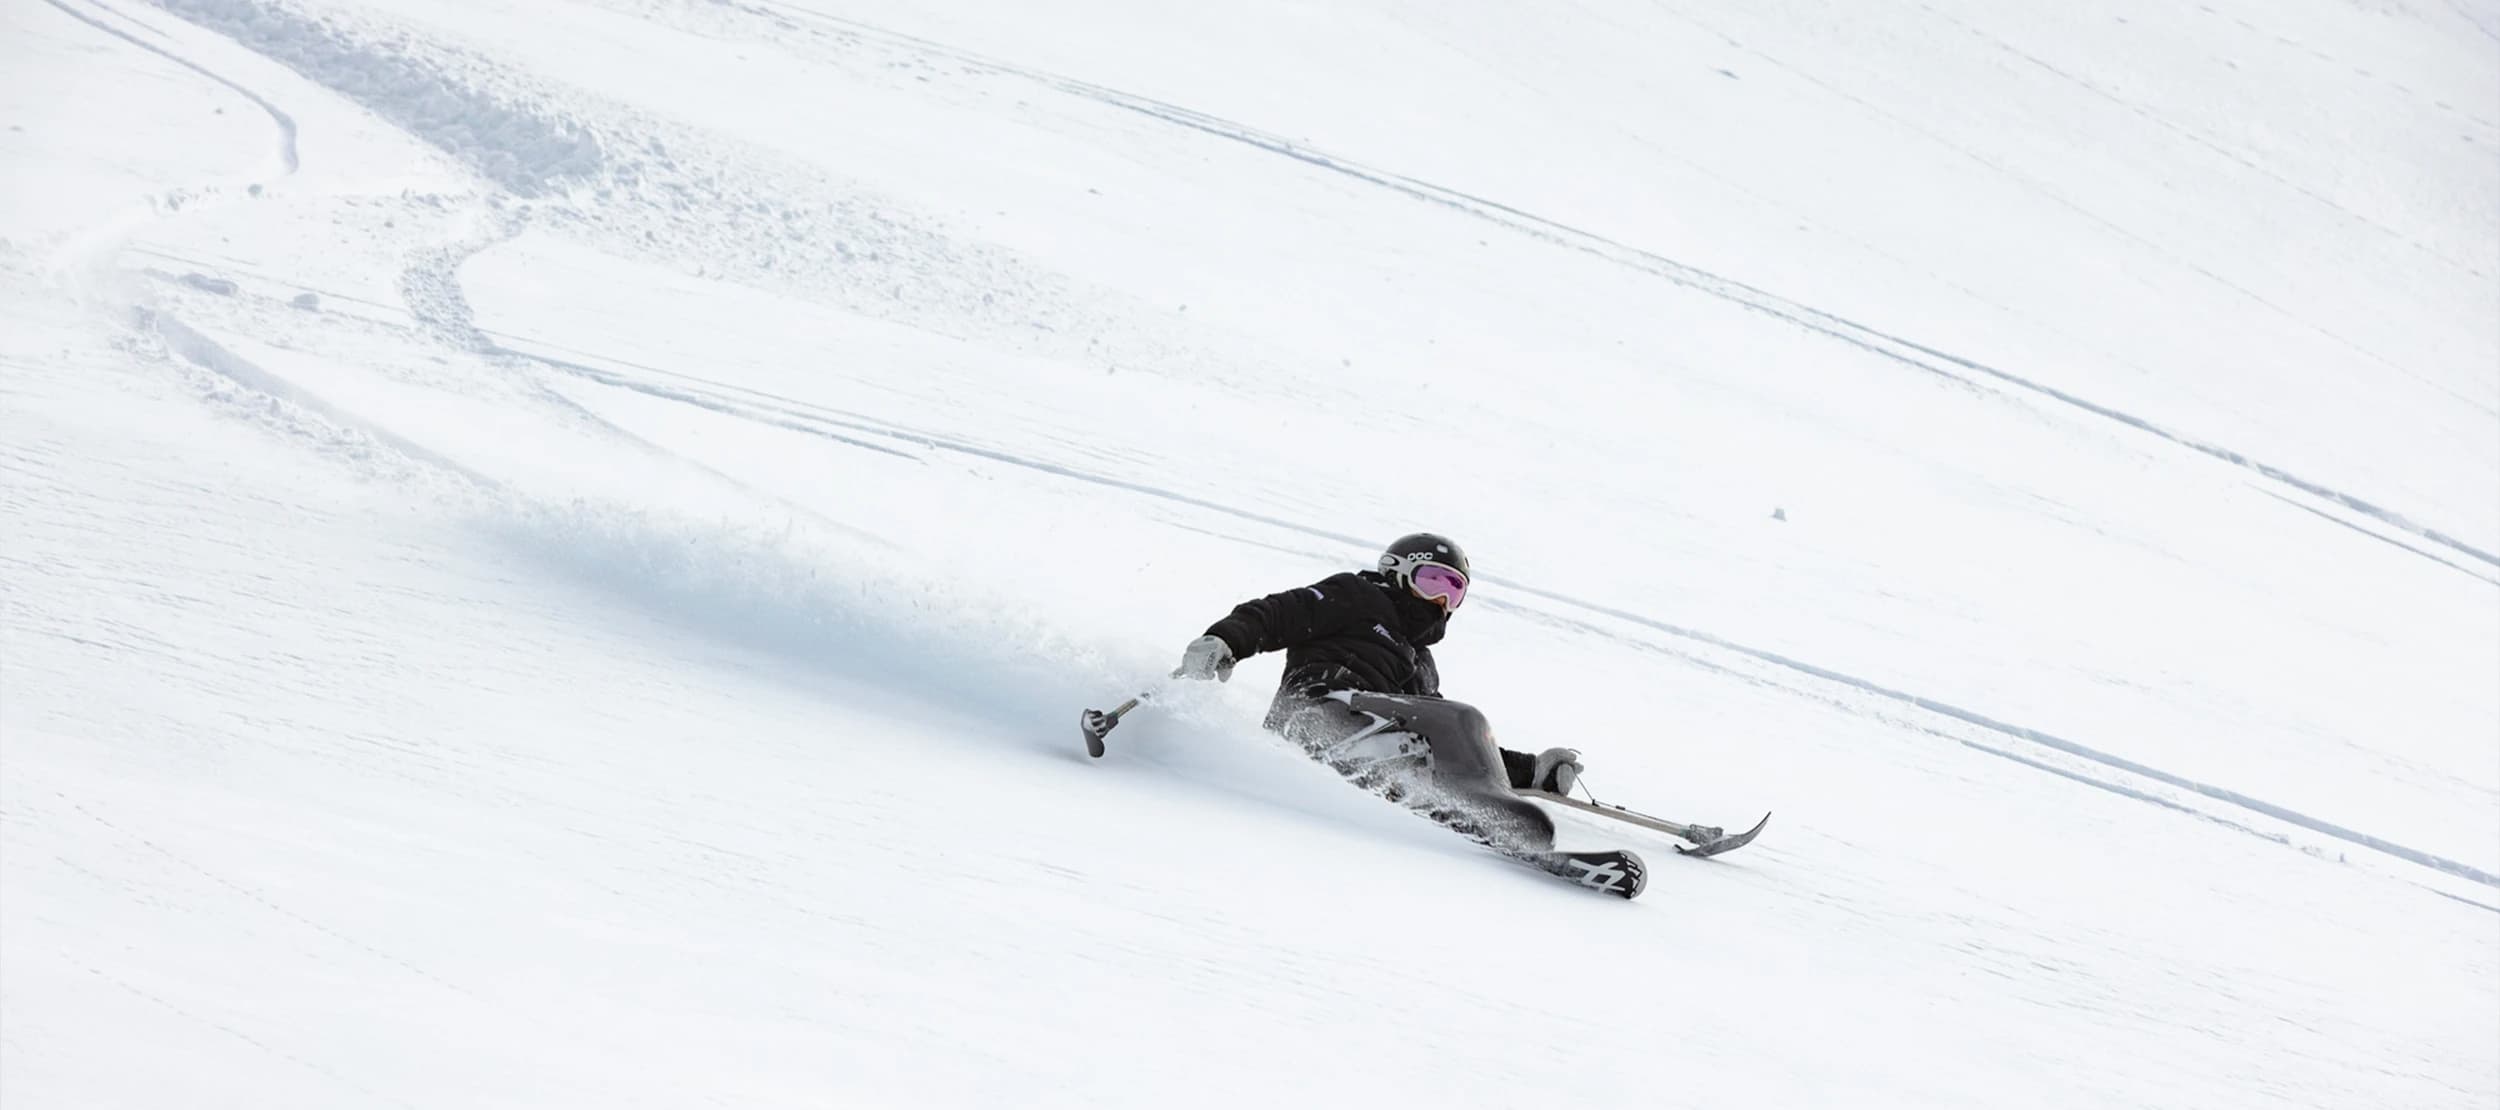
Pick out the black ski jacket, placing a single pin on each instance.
(1353, 631)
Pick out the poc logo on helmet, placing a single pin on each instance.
(1390, 560)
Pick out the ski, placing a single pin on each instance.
(1618, 873)
(1707, 840)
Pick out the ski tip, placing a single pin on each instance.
(1725, 843)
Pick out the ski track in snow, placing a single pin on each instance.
(189, 344)
(653, 190)
(525, 150)
(2060, 198)
(1866, 337)
(286, 124)
(2475, 19)
(2238, 157)
(535, 150)
(2385, 539)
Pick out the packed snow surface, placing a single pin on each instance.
(551, 550)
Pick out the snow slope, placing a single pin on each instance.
(552, 550)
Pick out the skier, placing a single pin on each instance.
(1361, 692)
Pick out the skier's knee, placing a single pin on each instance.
(1470, 721)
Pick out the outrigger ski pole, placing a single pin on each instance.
(1098, 723)
(1708, 840)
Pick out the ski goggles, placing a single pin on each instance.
(1435, 582)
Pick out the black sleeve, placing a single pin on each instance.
(1280, 621)
(1521, 767)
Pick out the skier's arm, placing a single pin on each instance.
(1280, 621)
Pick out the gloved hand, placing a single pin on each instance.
(1206, 657)
(1556, 770)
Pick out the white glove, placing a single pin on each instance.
(1206, 657)
(1556, 770)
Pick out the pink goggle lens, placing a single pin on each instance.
(1439, 583)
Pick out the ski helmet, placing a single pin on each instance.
(1430, 566)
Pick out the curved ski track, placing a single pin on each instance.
(286, 123)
